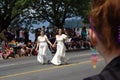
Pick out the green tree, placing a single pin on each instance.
(56, 11)
(10, 11)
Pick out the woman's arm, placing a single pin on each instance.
(54, 45)
(65, 37)
(49, 41)
(37, 46)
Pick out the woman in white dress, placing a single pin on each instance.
(59, 57)
(44, 54)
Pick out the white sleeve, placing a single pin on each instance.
(56, 37)
(64, 36)
(38, 39)
(46, 37)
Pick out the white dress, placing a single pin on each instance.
(59, 57)
(44, 54)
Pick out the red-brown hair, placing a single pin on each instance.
(105, 18)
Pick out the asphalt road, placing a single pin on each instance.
(79, 66)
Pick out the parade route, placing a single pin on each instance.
(79, 66)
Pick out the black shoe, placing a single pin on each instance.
(49, 62)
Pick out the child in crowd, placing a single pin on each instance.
(8, 52)
(33, 49)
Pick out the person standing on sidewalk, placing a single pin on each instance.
(105, 36)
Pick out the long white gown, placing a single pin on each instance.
(59, 57)
(44, 54)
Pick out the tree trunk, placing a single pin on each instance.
(58, 23)
(4, 24)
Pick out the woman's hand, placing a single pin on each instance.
(36, 49)
(54, 45)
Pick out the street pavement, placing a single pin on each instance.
(27, 68)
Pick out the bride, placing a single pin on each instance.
(44, 54)
(59, 57)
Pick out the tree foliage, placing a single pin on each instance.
(56, 11)
(10, 10)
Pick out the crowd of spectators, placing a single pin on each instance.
(78, 39)
(15, 42)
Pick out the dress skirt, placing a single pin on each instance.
(59, 57)
(44, 54)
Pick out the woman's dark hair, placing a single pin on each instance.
(42, 31)
(61, 29)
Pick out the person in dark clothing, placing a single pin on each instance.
(26, 33)
(47, 32)
(17, 32)
(4, 35)
(84, 33)
(110, 72)
(105, 36)
(11, 35)
(37, 31)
